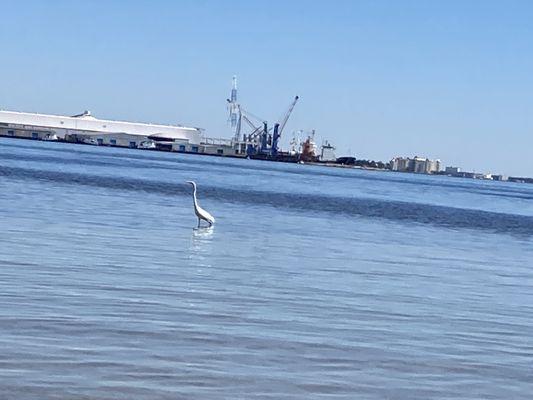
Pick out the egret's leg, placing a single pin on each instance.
(198, 222)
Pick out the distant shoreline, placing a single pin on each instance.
(511, 179)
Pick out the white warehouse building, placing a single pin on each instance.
(86, 128)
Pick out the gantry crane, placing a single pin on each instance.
(262, 138)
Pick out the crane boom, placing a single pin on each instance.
(287, 115)
(247, 120)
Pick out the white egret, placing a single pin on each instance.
(199, 211)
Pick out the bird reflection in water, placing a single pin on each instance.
(203, 233)
(201, 261)
(201, 242)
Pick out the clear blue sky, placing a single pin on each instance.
(443, 79)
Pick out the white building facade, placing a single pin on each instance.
(86, 128)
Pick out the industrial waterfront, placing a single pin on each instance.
(251, 137)
(259, 140)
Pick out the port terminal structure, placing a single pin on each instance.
(85, 128)
(252, 136)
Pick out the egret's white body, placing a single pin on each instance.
(199, 211)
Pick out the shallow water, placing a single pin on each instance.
(314, 283)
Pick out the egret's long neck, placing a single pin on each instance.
(194, 197)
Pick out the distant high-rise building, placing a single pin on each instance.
(417, 164)
(452, 170)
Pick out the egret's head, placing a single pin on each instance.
(191, 182)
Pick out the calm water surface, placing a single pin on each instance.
(314, 283)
